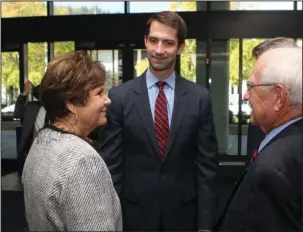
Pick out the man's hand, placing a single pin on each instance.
(27, 87)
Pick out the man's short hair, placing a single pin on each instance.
(279, 42)
(171, 19)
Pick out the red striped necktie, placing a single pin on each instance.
(254, 155)
(161, 119)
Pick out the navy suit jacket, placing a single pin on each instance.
(178, 190)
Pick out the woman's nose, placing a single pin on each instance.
(107, 101)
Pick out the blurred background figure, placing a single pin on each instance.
(33, 117)
(67, 186)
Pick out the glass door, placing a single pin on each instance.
(112, 62)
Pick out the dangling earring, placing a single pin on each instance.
(75, 120)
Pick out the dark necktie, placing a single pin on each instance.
(161, 119)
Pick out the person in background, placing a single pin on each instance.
(268, 196)
(22, 100)
(254, 134)
(33, 117)
(67, 186)
(160, 143)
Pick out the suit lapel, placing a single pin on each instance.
(178, 111)
(143, 107)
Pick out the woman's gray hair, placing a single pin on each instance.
(284, 66)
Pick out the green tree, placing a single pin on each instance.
(247, 58)
(10, 69)
(187, 57)
(21, 9)
(62, 48)
(10, 60)
(37, 52)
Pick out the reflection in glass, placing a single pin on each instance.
(112, 61)
(241, 5)
(83, 8)
(23, 9)
(146, 7)
(61, 48)
(37, 61)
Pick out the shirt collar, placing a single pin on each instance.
(151, 79)
(276, 131)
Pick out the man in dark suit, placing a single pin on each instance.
(254, 134)
(159, 142)
(268, 196)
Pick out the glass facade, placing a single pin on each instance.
(261, 5)
(84, 8)
(39, 8)
(221, 65)
(23, 9)
(147, 7)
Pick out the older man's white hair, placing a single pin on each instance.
(284, 66)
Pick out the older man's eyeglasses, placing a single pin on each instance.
(250, 85)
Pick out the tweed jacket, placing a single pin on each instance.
(67, 186)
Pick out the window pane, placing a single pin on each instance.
(23, 9)
(261, 5)
(218, 82)
(144, 7)
(140, 61)
(80, 8)
(112, 61)
(10, 79)
(37, 60)
(61, 48)
(233, 100)
(9, 94)
(299, 5)
(188, 60)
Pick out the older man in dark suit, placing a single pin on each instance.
(268, 196)
(160, 143)
(255, 135)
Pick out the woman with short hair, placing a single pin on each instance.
(67, 185)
